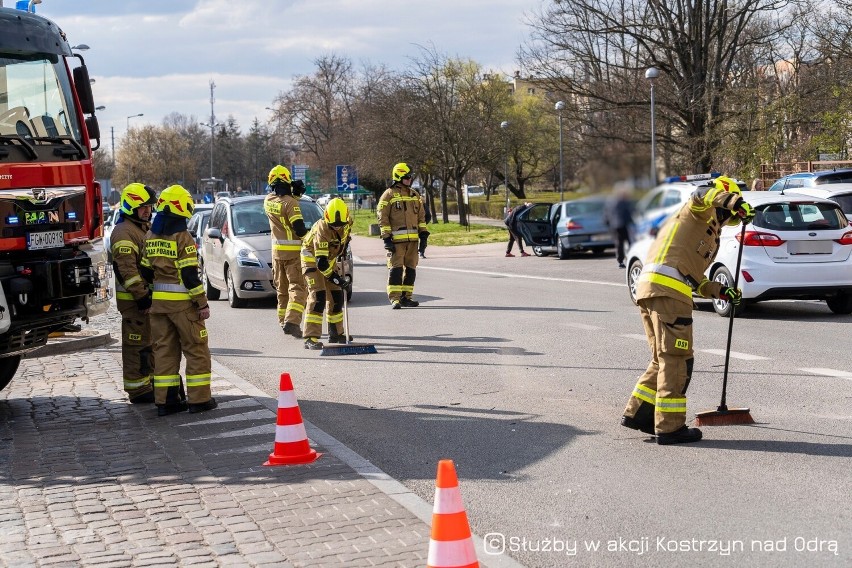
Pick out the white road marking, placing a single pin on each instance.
(638, 336)
(253, 415)
(829, 372)
(581, 326)
(735, 355)
(524, 276)
(266, 429)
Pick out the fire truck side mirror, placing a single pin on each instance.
(94, 130)
(84, 89)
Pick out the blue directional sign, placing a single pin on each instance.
(347, 178)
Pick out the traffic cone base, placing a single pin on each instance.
(291, 440)
(451, 543)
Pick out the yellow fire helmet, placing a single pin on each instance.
(336, 212)
(724, 183)
(176, 200)
(279, 173)
(727, 184)
(400, 171)
(135, 196)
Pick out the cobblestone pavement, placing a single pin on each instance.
(87, 479)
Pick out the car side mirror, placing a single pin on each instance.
(214, 233)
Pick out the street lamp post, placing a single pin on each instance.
(560, 105)
(505, 126)
(212, 127)
(651, 74)
(133, 116)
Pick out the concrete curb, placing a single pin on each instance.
(72, 343)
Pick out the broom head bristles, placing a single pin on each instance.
(728, 417)
(349, 349)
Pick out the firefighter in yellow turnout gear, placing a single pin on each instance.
(179, 307)
(402, 222)
(288, 229)
(132, 295)
(684, 248)
(325, 242)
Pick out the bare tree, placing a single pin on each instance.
(596, 51)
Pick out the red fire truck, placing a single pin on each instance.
(53, 269)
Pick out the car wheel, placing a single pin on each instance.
(561, 251)
(723, 276)
(212, 293)
(840, 304)
(233, 300)
(633, 273)
(538, 252)
(8, 368)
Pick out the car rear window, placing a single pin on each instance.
(800, 217)
(583, 207)
(833, 177)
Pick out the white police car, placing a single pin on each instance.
(666, 199)
(797, 247)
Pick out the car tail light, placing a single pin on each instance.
(572, 226)
(846, 239)
(758, 239)
(746, 276)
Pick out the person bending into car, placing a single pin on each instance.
(683, 249)
(287, 229)
(325, 243)
(511, 221)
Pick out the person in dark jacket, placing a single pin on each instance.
(619, 218)
(511, 220)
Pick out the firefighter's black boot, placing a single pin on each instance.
(313, 343)
(395, 304)
(175, 402)
(682, 436)
(145, 398)
(203, 406)
(407, 302)
(292, 329)
(643, 421)
(338, 338)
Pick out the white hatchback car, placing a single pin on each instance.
(797, 247)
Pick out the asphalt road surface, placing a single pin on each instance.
(519, 368)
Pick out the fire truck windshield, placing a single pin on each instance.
(36, 101)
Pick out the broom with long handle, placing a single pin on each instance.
(724, 416)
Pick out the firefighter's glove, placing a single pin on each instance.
(424, 237)
(338, 280)
(322, 263)
(144, 304)
(745, 211)
(389, 245)
(732, 295)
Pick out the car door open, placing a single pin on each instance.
(535, 226)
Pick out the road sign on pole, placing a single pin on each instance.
(347, 178)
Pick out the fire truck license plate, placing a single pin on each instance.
(45, 240)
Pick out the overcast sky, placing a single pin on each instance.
(158, 56)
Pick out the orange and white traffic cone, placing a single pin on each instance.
(451, 544)
(291, 440)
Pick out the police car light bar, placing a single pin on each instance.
(693, 177)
